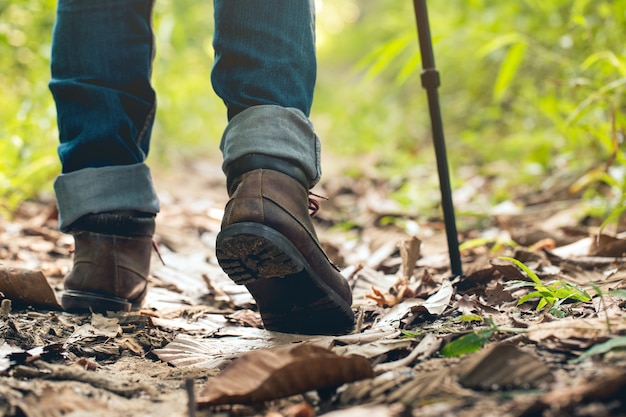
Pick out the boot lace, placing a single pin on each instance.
(314, 205)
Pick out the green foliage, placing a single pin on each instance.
(550, 296)
(468, 318)
(27, 119)
(529, 89)
(538, 86)
(618, 293)
(470, 342)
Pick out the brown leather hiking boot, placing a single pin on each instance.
(111, 262)
(268, 244)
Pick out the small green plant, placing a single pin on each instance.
(470, 342)
(550, 296)
(474, 341)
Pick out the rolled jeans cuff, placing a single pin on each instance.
(276, 131)
(98, 190)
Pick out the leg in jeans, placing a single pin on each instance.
(101, 62)
(265, 72)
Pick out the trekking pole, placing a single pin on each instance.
(430, 82)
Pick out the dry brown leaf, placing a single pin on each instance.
(502, 366)
(410, 253)
(266, 375)
(608, 246)
(300, 410)
(547, 244)
(496, 295)
(435, 304)
(247, 317)
(226, 344)
(370, 410)
(206, 324)
(27, 286)
(580, 333)
(424, 349)
(611, 385)
(375, 348)
(87, 364)
(508, 270)
(129, 343)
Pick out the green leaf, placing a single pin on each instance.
(615, 343)
(524, 268)
(542, 303)
(598, 95)
(508, 69)
(618, 293)
(613, 217)
(466, 318)
(499, 42)
(468, 343)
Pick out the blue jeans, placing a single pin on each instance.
(102, 52)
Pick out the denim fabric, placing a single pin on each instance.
(101, 62)
(275, 131)
(98, 190)
(264, 53)
(102, 53)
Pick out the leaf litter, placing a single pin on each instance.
(423, 344)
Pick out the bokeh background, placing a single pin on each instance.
(532, 96)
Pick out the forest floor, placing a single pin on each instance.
(426, 343)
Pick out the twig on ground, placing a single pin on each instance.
(191, 406)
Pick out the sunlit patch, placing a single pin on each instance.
(333, 17)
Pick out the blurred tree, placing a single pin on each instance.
(530, 89)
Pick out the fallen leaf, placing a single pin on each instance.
(5, 351)
(500, 366)
(375, 348)
(129, 343)
(266, 375)
(299, 410)
(369, 410)
(410, 253)
(247, 317)
(496, 295)
(87, 364)
(468, 343)
(27, 287)
(609, 246)
(581, 333)
(437, 303)
(399, 290)
(424, 349)
(438, 383)
(611, 384)
(205, 324)
(100, 329)
(226, 345)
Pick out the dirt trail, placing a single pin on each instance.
(196, 321)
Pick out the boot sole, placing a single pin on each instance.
(290, 296)
(81, 301)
